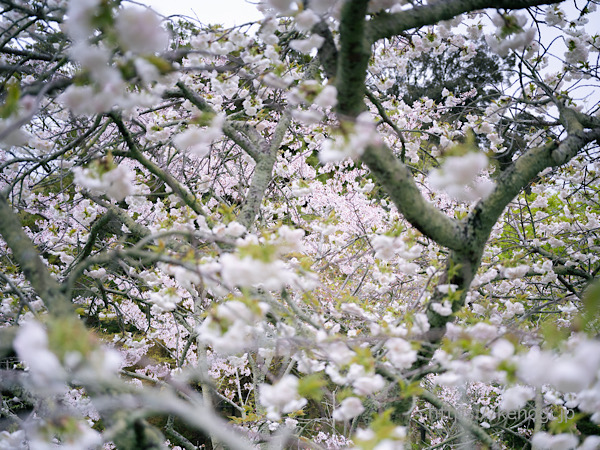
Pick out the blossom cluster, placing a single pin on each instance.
(239, 264)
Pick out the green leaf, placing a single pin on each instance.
(553, 335)
(11, 105)
(163, 66)
(565, 424)
(511, 26)
(312, 386)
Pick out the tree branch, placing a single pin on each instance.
(353, 59)
(384, 26)
(476, 431)
(328, 53)
(188, 198)
(26, 255)
(397, 180)
(485, 214)
(263, 174)
(229, 129)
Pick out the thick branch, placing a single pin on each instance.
(398, 182)
(26, 255)
(28, 54)
(263, 174)
(328, 53)
(519, 175)
(388, 25)
(464, 262)
(353, 59)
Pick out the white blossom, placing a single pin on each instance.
(535, 366)
(251, 106)
(483, 331)
(305, 20)
(458, 177)
(400, 353)
(327, 98)
(307, 45)
(84, 100)
(99, 274)
(516, 398)
(443, 309)
(13, 441)
(196, 140)
(516, 272)
(77, 436)
(350, 145)
(519, 40)
(15, 138)
(577, 50)
(281, 6)
(502, 349)
(546, 441)
(147, 71)
(339, 353)
(117, 183)
(307, 117)
(272, 80)
(349, 408)
(366, 385)
(353, 309)
(100, 364)
(570, 375)
(590, 443)
(447, 288)
(155, 133)
(139, 30)
(231, 327)
(289, 239)
(247, 271)
(420, 324)
(236, 310)
(385, 247)
(513, 309)
(164, 301)
(554, 16)
(235, 229)
(281, 397)
(31, 345)
(449, 379)
(95, 59)
(79, 16)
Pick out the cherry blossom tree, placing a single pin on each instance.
(254, 237)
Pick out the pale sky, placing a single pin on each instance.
(225, 12)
